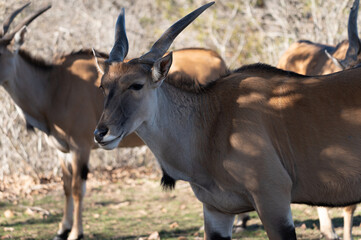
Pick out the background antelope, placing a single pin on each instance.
(63, 100)
(257, 139)
(308, 58)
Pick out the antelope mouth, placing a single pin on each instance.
(110, 142)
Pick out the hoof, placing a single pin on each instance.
(238, 229)
(332, 237)
(244, 221)
(81, 236)
(241, 224)
(62, 236)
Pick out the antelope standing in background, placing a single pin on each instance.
(305, 57)
(312, 59)
(64, 101)
(259, 138)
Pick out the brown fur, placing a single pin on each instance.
(258, 138)
(308, 58)
(36, 61)
(190, 80)
(305, 57)
(63, 99)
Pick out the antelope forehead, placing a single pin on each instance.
(115, 70)
(130, 78)
(114, 79)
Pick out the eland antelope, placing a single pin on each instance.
(63, 100)
(259, 138)
(309, 58)
(306, 57)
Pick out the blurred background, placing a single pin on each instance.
(242, 32)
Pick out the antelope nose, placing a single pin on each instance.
(100, 132)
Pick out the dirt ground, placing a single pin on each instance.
(128, 203)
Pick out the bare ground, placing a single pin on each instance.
(128, 203)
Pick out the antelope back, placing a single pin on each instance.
(10, 41)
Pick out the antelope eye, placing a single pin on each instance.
(136, 86)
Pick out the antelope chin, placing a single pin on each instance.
(110, 142)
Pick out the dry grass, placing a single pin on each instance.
(129, 204)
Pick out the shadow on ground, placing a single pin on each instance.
(34, 221)
(337, 222)
(163, 235)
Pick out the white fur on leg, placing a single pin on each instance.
(67, 222)
(241, 222)
(326, 227)
(216, 222)
(77, 228)
(348, 222)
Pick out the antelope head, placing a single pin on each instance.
(130, 87)
(353, 54)
(10, 42)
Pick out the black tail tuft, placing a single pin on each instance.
(167, 182)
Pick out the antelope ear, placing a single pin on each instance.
(99, 62)
(19, 38)
(161, 68)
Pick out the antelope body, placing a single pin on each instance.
(257, 139)
(63, 100)
(308, 58)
